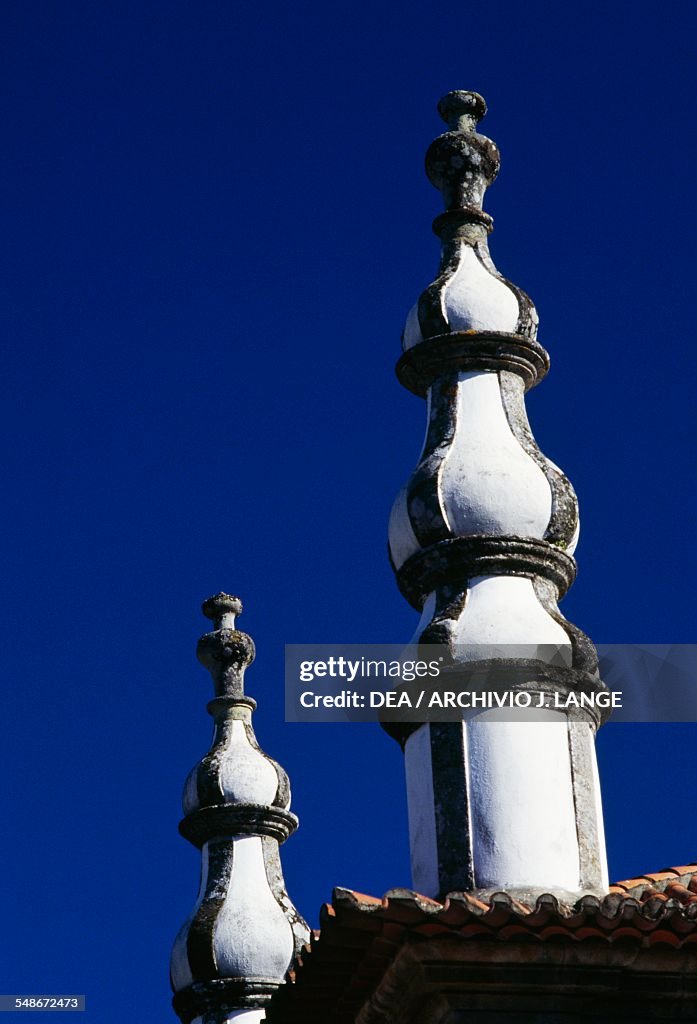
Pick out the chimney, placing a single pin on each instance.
(243, 933)
(481, 542)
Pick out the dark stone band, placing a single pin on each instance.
(456, 560)
(222, 704)
(222, 996)
(448, 222)
(237, 819)
(447, 354)
(512, 676)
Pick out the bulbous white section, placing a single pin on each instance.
(472, 299)
(488, 483)
(180, 971)
(246, 776)
(403, 542)
(571, 546)
(502, 612)
(427, 613)
(242, 772)
(252, 934)
(522, 802)
(190, 800)
(475, 300)
(412, 329)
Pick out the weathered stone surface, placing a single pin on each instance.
(235, 949)
(481, 542)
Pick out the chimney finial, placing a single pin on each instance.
(481, 541)
(461, 109)
(244, 932)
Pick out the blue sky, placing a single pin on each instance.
(215, 221)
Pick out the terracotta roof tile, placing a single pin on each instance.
(372, 901)
(662, 876)
(677, 891)
(685, 869)
(632, 883)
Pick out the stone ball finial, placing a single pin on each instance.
(225, 651)
(214, 608)
(461, 163)
(462, 110)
